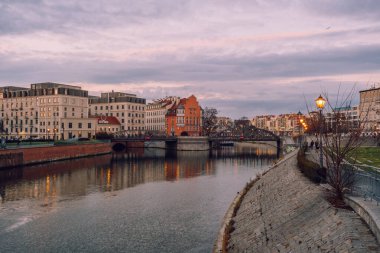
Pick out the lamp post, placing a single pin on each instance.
(299, 114)
(320, 102)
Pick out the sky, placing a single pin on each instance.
(244, 58)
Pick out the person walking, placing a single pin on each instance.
(3, 142)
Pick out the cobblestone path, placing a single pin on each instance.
(285, 212)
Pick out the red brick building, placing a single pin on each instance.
(184, 118)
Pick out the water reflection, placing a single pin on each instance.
(60, 180)
(139, 201)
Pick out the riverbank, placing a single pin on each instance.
(284, 212)
(27, 156)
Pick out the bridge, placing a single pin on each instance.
(250, 134)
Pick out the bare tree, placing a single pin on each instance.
(210, 121)
(341, 136)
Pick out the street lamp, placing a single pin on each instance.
(55, 130)
(320, 102)
(300, 120)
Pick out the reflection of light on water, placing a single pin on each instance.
(21, 221)
(54, 190)
(47, 184)
(109, 177)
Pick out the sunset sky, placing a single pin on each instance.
(243, 57)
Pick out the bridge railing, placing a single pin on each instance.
(144, 138)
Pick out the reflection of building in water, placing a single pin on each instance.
(247, 154)
(189, 164)
(50, 180)
(56, 181)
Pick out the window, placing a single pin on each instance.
(88, 125)
(70, 125)
(80, 125)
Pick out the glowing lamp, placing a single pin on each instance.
(320, 102)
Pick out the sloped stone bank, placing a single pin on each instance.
(285, 212)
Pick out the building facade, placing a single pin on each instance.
(127, 108)
(350, 115)
(39, 111)
(369, 110)
(184, 118)
(155, 115)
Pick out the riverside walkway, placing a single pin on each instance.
(285, 212)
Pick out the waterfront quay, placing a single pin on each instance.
(285, 212)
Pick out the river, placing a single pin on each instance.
(145, 200)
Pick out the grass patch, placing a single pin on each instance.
(368, 155)
(68, 142)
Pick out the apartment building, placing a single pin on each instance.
(369, 110)
(155, 114)
(39, 111)
(127, 108)
(283, 124)
(184, 118)
(348, 114)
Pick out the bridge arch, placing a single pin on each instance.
(119, 146)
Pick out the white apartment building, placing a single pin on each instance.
(155, 114)
(350, 114)
(38, 111)
(127, 108)
(370, 110)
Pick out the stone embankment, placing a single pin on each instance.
(285, 212)
(34, 155)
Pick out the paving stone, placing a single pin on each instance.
(285, 212)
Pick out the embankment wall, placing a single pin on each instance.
(35, 155)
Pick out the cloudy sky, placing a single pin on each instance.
(243, 57)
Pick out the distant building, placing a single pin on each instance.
(370, 110)
(184, 118)
(155, 114)
(127, 108)
(39, 111)
(348, 114)
(283, 124)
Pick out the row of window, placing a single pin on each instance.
(38, 101)
(137, 115)
(155, 113)
(122, 107)
(155, 120)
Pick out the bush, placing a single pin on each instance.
(310, 169)
(104, 136)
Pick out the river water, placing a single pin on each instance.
(141, 201)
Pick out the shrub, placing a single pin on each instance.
(310, 169)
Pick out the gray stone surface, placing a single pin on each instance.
(285, 212)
